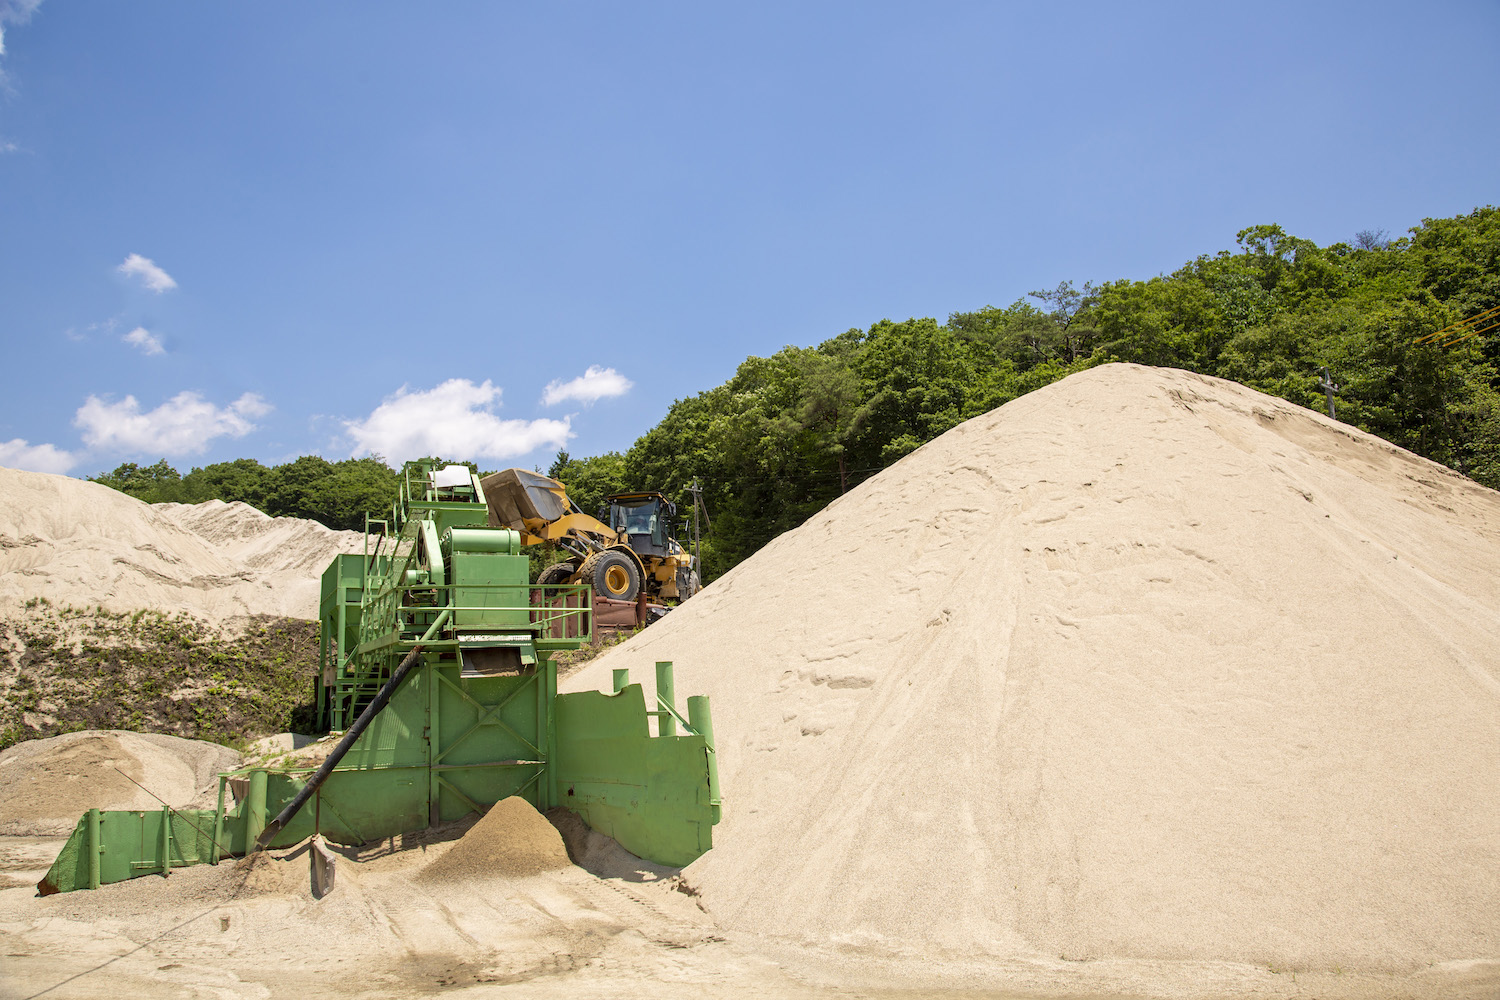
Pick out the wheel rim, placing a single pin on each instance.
(616, 580)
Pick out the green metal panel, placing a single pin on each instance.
(341, 583)
(353, 806)
(128, 844)
(396, 737)
(650, 794)
(488, 572)
(489, 739)
(485, 739)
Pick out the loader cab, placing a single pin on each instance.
(646, 519)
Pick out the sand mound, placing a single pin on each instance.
(511, 841)
(80, 543)
(1143, 664)
(45, 785)
(259, 541)
(599, 853)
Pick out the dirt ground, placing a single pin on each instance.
(255, 931)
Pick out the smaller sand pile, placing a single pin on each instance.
(513, 840)
(45, 785)
(290, 750)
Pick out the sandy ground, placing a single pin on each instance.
(255, 931)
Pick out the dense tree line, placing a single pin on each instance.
(339, 494)
(789, 433)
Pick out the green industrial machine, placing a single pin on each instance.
(437, 665)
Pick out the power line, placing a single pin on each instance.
(1464, 329)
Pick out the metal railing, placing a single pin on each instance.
(550, 612)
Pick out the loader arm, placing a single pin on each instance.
(590, 528)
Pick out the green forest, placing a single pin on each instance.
(791, 432)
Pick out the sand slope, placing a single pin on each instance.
(81, 543)
(1143, 664)
(45, 785)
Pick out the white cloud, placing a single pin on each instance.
(183, 425)
(151, 276)
(8, 147)
(142, 339)
(453, 420)
(16, 12)
(82, 336)
(17, 454)
(595, 384)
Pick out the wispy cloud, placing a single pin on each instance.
(144, 341)
(151, 276)
(15, 12)
(594, 384)
(76, 335)
(18, 454)
(8, 147)
(183, 425)
(454, 420)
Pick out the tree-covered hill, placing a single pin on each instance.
(789, 433)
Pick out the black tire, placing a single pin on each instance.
(613, 574)
(688, 583)
(557, 573)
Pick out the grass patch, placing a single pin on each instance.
(87, 668)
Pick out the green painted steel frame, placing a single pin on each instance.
(451, 740)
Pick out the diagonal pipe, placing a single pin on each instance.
(365, 718)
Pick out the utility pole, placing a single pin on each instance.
(697, 548)
(1329, 388)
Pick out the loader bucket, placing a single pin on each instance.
(516, 496)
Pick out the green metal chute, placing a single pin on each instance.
(654, 796)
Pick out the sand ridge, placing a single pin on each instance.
(83, 544)
(1141, 665)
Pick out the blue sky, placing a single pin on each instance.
(493, 229)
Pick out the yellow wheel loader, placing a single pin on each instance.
(633, 549)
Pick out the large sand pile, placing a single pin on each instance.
(1143, 664)
(45, 785)
(84, 544)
